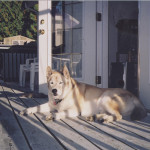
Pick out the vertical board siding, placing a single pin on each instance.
(11, 60)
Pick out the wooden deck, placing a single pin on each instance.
(33, 133)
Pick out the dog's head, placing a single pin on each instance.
(58, 82)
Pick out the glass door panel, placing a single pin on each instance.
(123, 45)
(67, 36)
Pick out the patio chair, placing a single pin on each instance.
(33, 70)
(30, 66)
(58, 62)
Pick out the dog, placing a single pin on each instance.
(71, 99)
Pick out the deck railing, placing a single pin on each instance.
(10, 60)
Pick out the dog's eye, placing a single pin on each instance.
(61, 82)
(51, 83)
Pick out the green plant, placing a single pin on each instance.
(16, 21)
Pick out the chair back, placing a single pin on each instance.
(31, 60)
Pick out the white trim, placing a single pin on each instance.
(105, 45)
(139, 43)
(102, 44)
(89, 42)
(83, 44)
(149, 56)
(44, 43)
(144, 52)
(149, 62)
(99, 38)
(49, 31)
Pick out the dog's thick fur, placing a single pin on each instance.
(71, 98)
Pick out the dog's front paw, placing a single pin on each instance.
(90, 118)
(26, 111)
(49, 117)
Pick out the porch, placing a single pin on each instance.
(32, 132)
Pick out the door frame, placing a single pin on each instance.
(89, 42)
(44, 43)
(95, 48)
(102, 44)
(144, 52)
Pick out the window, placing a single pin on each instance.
(67, 36)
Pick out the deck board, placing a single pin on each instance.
(10, 132)
(65, 134)
(69, 138)
(126, 137)
(38, 137)
(135, 128)
(98, 138)
(33, 132)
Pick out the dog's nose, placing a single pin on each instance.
(54, 91)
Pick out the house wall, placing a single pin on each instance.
(19, 38)
(144, 52)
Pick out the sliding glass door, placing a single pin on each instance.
(67, 36)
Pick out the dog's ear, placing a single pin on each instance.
(66, 72)
(48, 71)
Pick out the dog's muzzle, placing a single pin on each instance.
(56, 101)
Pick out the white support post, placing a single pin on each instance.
(44, 46)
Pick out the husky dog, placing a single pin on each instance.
(71, 98)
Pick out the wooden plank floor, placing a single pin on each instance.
(34, 133)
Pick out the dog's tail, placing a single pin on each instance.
(139, 111)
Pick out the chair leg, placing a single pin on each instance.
(32, 74)
(21, 75)
(24, 78)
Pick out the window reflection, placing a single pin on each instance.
(67, 36)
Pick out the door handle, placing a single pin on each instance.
(41, 31)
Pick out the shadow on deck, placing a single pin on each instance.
(33, 133)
